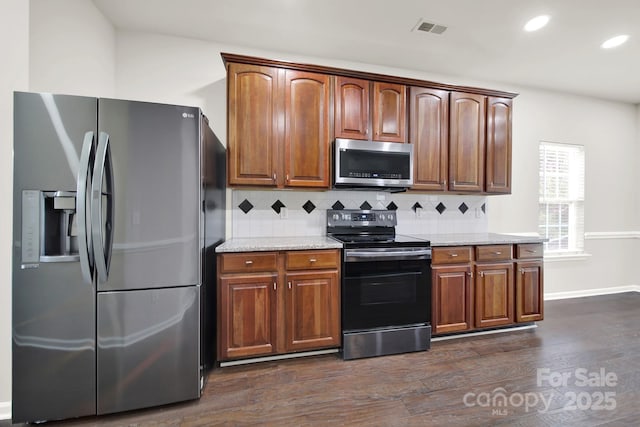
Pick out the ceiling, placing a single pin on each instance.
(484, 40)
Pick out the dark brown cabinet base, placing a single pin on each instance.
(278, 302)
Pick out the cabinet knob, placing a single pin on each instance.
(531, 251)
(287, 177)
(289, 285)
(274, 286)
(497, 253)
(274, 176)
(248, 262)
(522, 270)
(453, 255)
(470, 274)
(482, 274)
(312, 260)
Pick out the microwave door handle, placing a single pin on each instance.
(85, 249)
(103, 242)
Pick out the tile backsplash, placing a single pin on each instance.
(257, 213)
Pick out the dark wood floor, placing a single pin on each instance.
(430, 388)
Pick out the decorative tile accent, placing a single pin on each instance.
(365, 206)
(392, 207)
(415, 206)
(463, 207)
(277, 205)
(337, 206)
(309, 206)
(441, 208)
(245, 206)
(483, 207)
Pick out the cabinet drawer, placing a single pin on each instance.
(309, 260)
(529, 250)
(452, 255)
(494, 252)
(249, 262)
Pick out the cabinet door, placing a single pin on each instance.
(429, 133)
(312, 310)
(389, 112)
(246, 315)
(498, 163)
(466, 142)
(494, 294)
(451, 298)
(352, 108)
(254, 132)
(306, 130)
(529, 291)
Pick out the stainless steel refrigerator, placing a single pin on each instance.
(118, 207)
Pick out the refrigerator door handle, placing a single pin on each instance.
(102, 240)
(85, 249)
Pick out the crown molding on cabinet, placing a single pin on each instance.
(231, 57)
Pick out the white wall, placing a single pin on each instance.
(156, 68)
(72, 49)
(14, 75)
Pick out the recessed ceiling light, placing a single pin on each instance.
(536, 23)
(614, 41)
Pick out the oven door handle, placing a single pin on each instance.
(355, 255)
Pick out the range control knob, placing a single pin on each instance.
(336, 217)
(381, 217)
(390, 217)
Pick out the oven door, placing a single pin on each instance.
(386, 289)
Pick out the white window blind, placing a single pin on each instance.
(561, 201)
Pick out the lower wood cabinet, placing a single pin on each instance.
(452, 296)
(486, 286)
(246, 315)
(529, 282)
(494, 296)
(277, 302)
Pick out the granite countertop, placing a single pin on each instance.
(463, 239)
(254, 244)
(278, 244)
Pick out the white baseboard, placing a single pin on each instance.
(5, 410)
(590, 292)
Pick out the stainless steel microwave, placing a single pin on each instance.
(373, 164)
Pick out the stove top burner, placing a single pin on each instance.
(368, 228)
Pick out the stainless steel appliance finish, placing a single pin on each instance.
(386, 284)
(373, 164)
(115, 207)
(385, 341)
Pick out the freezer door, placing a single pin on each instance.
(53, 309)
(148, 348)
(154, 151)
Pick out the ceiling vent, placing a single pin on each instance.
(430, 27)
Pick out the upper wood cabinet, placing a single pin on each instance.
(254, 101)
(370, 110)
(352, 108)
(306, 129)
(467, 142)
(498, 171)
(282, 118)
(429, 133)
(279, 127)
(389, 112)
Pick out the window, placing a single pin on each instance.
(561, 202)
